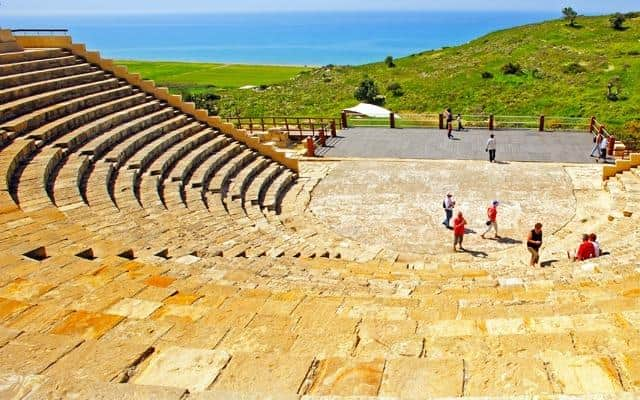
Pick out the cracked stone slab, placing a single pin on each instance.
(578, 375)
(419, 378)
(15, 386)
(24, 289)
(145, 332)
(33, 353)
(6, 334)
(506, 376)
(266, 373)
(346, 377)
(100, 361)
(134, 308)
(193, 369)
(86, 324)
(10, 308)
(39, 318)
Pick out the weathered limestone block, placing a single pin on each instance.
(346, 377)
(509, 376)
(133, 308)
(583, 374)
(10, 308)
(269, 373)
(145, 332)
(416, 378)
(193, 369)
(24, 290)
(100, 361)
(86, 325)
(33, 353)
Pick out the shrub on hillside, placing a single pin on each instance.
(573, 68)
(367, 92)
(570, 15)
(614, 88)
(487, 75)
(207, 101)
(389, 62)
(617, 21)
(395, 88)
(512, 69)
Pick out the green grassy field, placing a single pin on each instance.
(187, 75)
(565, 72)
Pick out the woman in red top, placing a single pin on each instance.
(458, 230)
(586, 250)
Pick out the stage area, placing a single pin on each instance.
(512, 145)
(398, 204)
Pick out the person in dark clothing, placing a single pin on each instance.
(459, 119)
(449, 123)
(534, 241)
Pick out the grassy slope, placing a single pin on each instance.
(179, 75)
(452, 77)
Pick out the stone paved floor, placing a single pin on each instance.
(512, 145)
(398, 205)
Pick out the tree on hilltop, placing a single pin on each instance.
(389, 62)
(570, 15)
(617, 20)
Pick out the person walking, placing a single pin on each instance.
(491, 148)
(604, 143)
(595, 152)
(449, 115)
(534, 241)
(492, 219)
(459, 119)
(448, 204)
(458, 231)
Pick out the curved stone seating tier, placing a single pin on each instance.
(49, 91)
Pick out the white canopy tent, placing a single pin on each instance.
(369, 110)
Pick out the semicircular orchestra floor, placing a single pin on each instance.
(398, 204)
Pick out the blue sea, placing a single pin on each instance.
(344, 38)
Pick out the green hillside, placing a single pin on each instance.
(195, 76)
(565, 72)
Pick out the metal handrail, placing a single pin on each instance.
(38, 32)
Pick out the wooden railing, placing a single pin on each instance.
(294, 126)
(476, 121)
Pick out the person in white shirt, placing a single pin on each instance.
(603, 149)
(448, 204)
(596, 245)
(491, 148)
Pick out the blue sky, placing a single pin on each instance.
(49, 7)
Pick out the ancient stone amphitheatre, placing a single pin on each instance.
(151, 251)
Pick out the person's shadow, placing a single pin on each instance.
(476, 253)
(507, 240)
(548, 263)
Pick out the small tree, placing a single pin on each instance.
(570, 15)
(512, 69)
(367, 92)
(614, 88)
(617, 20)
(389, 62)
(395, 88)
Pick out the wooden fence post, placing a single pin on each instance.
(491, 122)
(541, 125)
(392, 120)
(440, 121)
(343, 118)
(311, 148)
(323, 138)
(333, 128)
